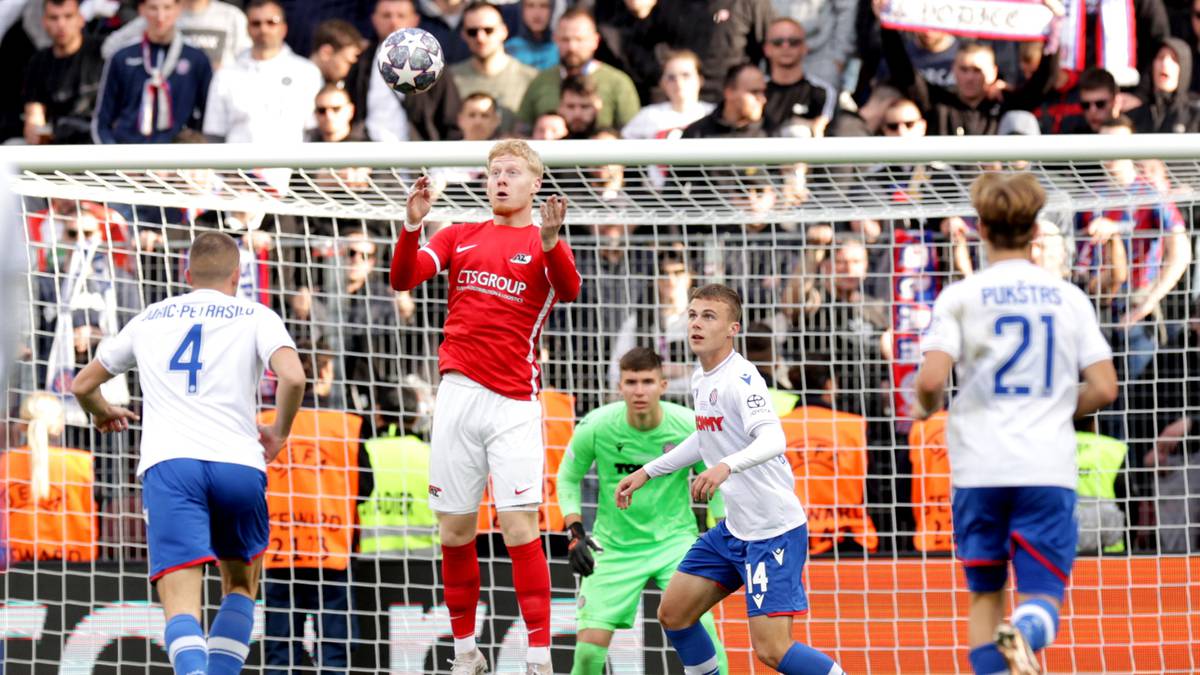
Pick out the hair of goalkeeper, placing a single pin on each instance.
(720, 293)
(1008, 206)
(641, 359)
(513, 147)
(212, 259)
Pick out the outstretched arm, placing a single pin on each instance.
(409, 269)
(560, 262)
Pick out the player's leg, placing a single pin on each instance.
(240, 533)
(672, 553)
(773, 570)
(457, 474)
(608, 601)
(516, 456)
(1045, 536)
(174, 496)
(707, 574)
(981, 525)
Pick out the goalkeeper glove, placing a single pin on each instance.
(579, 551)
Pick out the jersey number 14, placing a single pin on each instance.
(189, 349)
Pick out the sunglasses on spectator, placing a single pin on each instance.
(355, 254)
(474, 32)
(326, 109)
(1102, 103)
(895, 126)
(790, 42)
(273, 21)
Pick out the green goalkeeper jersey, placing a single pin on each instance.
(663, 508)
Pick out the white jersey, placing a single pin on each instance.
(731, 401)
(199, 358)
(1019, 337)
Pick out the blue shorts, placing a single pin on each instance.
(198, 511)
(771, 569)
(1034, 527)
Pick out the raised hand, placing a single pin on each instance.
(420, 200)
(554, 212)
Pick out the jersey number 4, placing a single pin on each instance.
(189, 349)
(1025, 329)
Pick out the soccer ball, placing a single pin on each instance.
(410, 60)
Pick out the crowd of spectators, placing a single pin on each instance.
(291, 71)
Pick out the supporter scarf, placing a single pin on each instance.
(1115, 40)
(155, 113)
(985, 19)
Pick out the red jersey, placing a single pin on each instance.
(502, 288)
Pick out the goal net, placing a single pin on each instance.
(838, 248)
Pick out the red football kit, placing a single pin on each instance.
(502, 288)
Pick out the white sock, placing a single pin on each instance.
(537, 655)
(464, 645)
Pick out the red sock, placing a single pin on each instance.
(531, 579)
(460, 576)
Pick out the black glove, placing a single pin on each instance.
(582, 562)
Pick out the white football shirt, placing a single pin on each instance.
(1019, 337)
(731, 401)
(199, 357)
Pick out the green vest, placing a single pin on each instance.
(396, 518)
(783, 402)
(1099, 459)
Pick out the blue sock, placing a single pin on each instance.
(229, 639)
(987, 660)
(185, 645)
(695, 650)
(801, 659)
(1037, 619)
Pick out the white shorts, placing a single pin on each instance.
(476, 432)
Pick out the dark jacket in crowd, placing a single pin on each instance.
(67, 88)
(116, 119)
(723, 33)
(1170, 112)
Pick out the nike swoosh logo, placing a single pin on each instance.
(521, 492)
(460, 249)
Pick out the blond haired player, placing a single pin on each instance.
(505, 275)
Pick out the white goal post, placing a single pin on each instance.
(838, 246)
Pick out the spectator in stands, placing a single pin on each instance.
(533, 43)
(1170, 107)
(56, 224)
(442, 19)
(266, 95)
(1059, 110)
(152, 90)
(618, 33)
(336, 47)
(831, 38)
(680, 82)
(664, 327)
(307, 15)
(490, 70)
(975, 104)
(867, 120)
(723, 33)
(312, 487)
(335, 117)
(361, 305)
(1159, 253)
(933, 51)
(740, 113)
(62, 80)
(216, 28)
(579, 104)
(577, 42)
(762, 352)
(832, 314)
(392, 116)
(1098, 101)
(479, 119)
(1176, 507)
(791, 95)
(549, 127)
